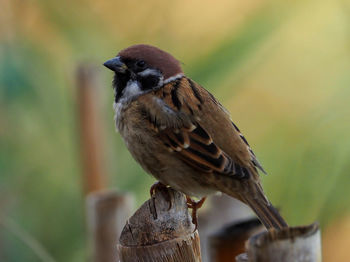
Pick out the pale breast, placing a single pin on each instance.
(139, 139)
(148, 150)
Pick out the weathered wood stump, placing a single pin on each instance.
(294, 244)
(160, 231)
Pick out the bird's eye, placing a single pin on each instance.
(141, 64)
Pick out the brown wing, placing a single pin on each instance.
(193, 124)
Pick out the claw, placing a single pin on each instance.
(195, 205)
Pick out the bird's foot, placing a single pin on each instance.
(194, 205)
(158, 186)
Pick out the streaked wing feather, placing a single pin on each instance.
(197, 149)
(174, 110)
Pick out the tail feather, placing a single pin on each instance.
(266, 212)
(250, 192)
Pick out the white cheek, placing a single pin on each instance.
(148, 72)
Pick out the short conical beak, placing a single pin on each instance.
(116, 65)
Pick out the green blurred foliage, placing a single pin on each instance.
(280, 67)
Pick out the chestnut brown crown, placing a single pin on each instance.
(154, 57)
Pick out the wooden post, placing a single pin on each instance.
(229, 242)
(107, 212)
(158, 232)
(295, 244)
(90, 130)
(209, 222)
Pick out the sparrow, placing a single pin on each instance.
(181, 134)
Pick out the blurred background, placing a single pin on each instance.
(280, 67)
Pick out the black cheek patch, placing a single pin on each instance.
(149, 82)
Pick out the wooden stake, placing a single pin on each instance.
(90, 130)
(158, 232)
(107, 212)
(209, 222)
(295, 244)
(230, 241)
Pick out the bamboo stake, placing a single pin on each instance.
(295, 244)
(156, 233)
(107, 212)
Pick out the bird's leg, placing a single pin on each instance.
(161, 187)
(194, 205)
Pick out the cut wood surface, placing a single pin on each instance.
(159, 232)
(242, 258)
(107, 212)
(294, 244)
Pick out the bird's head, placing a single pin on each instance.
(140, 69)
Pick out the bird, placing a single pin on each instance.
(182, 135)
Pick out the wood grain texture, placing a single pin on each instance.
(157, 233)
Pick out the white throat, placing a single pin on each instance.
(131, 90)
